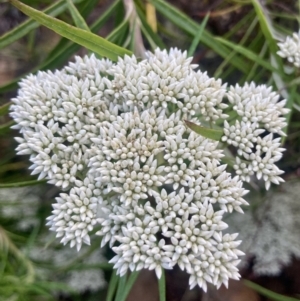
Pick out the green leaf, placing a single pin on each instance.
(22, 184)
(248, 54)
(190, 26)
(265, 292)
(205, 132)
(112, 286)
(266, 26)
(162, 286)
(268, 31)
(77, 18)
(62, 51)
(86, 7)
(24, 28)
(121, 287)
(118, 32)
(89, 40)
(4, 128)
(130, 282)
(153, 38)
(198, 36)
(293, 96)
(4, 108)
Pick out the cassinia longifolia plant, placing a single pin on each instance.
(113, 137)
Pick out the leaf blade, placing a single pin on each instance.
(205, 132)
(191, 27)
(130, 282)
(248, 54)
(162, 286)
(77, 18)
(89, 40)
(265, 292)
(28, 25)
(198, 36)
(22, 184)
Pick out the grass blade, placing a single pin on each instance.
(112, 286)
(248, 54)
(205, 132)
(61, 53)
(191, 27)
(151, 16)
(4, 128)
(129, 284)
(4, 108)
(89, 40)
(121, 287)
(265, 292)
(293, 96)
(198, 36)
(153, 38)
(24, 28)
(268, 31)
(22, 184)
(118, 32)
(162, 286)
(77, 18)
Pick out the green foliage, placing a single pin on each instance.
(89, 40)
(205, 132)
(265, 292)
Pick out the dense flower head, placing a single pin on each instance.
(260, 118)
(290, 49)
(113, 137)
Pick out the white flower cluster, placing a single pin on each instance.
(113, 137)
(270, 234)
(290, 49)
(259, 112)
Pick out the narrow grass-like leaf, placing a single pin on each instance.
(62, 51)
(152, 37)
(198, 36)
(239, 25)
(268, 31)
(77, 18)
(265, 292)
(190, 26)
(87, 39)
(4, 108)
(24, 28)
(162, 286)
(205, 132)
(121, 287)
(12, 166)
(248, 54)
(4, 128)
(130, 282)
(220, 69)
(151, 16)
(113, 282)
(253, 71)
(22, 184)
(118, 32)
(293, 95)
(86, 7)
